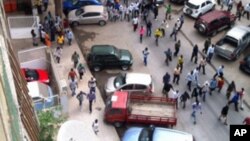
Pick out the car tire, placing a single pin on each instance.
(201, 28)
(97, 68)
(118, 124)
(75, 23)
(125, 67)
(102, 23)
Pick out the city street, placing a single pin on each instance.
(120, 34)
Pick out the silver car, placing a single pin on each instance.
(88, 15)
(233, 43)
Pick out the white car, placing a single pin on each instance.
(196, 8)
(88, 15)
(132, 82)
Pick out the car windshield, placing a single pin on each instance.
(79, 11)
(190, 5)
(31, 74)
(146, 134)
(232, 41)
(119, 80)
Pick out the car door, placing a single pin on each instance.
(209, 5)
(243, 43)
(87, 18)
(224, 22)
(127, 87)
(203, 8)
(140, 89)
(111, 61)
(214, 26)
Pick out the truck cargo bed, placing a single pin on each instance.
(149, 109)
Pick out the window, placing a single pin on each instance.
(190, 5)
(224, 19)
(209, 2)
(203, 4)
(110, 58)
(91, 14)
(115, 111)
(79, 12)
(215, 22)
(140, 87)
(127, 87)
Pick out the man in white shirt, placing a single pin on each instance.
(247, 10)
(210, 53)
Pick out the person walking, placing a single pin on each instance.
(204, 90)
(75, 58)
(158, 34)
(220, 83)
(145, 53)
(210, 53)
(60, 40)
(175, 97)
(231, 87)
(196, 75)
(202, 65)
(235, 100)
(92, 84)
(196, 93)
(224, 112)
(34, 37)
(69, 36)
(177, 72)
(167, 89)
(168, 55)
(135, 23)
(91, 97)
(174, 32)
(80, 97)
(230, 5)
(58, 54)
(149, 28)
(212, 85)
(155, 10)
(141, 33)
(81, 70)
(246, 10)
(43, 35)
(196, 106)
(242, 93)
(73, 85)
(168, 12)
(195, 54)
(72, 74)
(95, 126)
(189, 79)
(183, 98)
(180, 62)
(207, 43)
(177, 47)
(182, 21)
(166, 79)
(219, 71)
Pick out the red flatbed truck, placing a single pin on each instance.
(122, 108)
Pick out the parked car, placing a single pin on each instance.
(213, 22)
(245, 64)
(69, 5)
(233, 43)
(41, 95)
(140, 83)
(35, 75)
(109, 56)
(88, 15)
(178, 1)
(196, 8)
(155, 134)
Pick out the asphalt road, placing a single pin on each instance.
(120, 34)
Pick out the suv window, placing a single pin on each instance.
(208, 2)
(110, 58)
(190, 5)
(215, 22)
(224, 19)
(127, 87)
(79, 12)
(91, 14)
(140, 87)
(203, 4)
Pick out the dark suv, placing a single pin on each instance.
(214, 21)
(108, 56)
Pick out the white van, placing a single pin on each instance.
(196, 8)
(41, 95)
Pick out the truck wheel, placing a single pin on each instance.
(118, 124)
(124, 67)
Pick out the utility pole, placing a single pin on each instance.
(58, 7)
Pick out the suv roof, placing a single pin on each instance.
(238, 32)
(103, 49)
(138, 78)
(93, 8)
(197, 2)
(215, 14)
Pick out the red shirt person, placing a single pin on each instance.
(247, 121)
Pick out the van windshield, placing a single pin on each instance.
(231, 41)
(119, 80)
(192, 6)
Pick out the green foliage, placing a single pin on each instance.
(49, 123)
